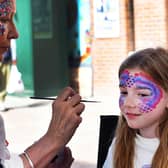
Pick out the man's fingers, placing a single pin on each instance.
(66, 93)
(74, 100)
(79, 108)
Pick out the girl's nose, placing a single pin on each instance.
(13, 33)
(129, 101)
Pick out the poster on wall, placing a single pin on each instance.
(106, 18)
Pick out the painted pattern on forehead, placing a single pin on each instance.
(126, 79)
(148, 103)
(6, 7)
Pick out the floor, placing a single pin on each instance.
(26, 120)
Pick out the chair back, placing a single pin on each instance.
(108, 125)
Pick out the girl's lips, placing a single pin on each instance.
(132, 115)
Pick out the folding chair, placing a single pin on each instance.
(108, 125)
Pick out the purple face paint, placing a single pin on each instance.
(126, 79)
(5, 8)
(141, 80)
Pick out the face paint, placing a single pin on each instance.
(126, 80)
(6, 7)
(141, 80)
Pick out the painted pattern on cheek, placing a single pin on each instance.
(126, 80)
(5, 7)
(148, 103)
(121, 101)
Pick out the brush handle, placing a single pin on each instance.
(50, 98)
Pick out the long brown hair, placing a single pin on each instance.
(155, 63)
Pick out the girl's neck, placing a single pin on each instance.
(148, 133)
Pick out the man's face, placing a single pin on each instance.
(7, 27)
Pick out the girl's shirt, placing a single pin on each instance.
(145, 149)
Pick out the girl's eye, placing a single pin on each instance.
(123, 93)
(144, 94)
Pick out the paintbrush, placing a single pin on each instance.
(51, 98)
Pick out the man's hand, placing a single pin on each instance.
(64, 160)
(66, 111)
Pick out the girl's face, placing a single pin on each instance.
(142, 101)
(7, 27)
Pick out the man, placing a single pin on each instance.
(5, 36)
(66, 111)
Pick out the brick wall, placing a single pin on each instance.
(150, 23)
(107, 54)
(150, 29)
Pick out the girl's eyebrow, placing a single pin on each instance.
(121, 85)
(142, 87)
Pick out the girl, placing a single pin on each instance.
(141, 139)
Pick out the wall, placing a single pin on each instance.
(24, 44)
(150, 23)
(107, 54)
(42, 52)
(143, 26)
